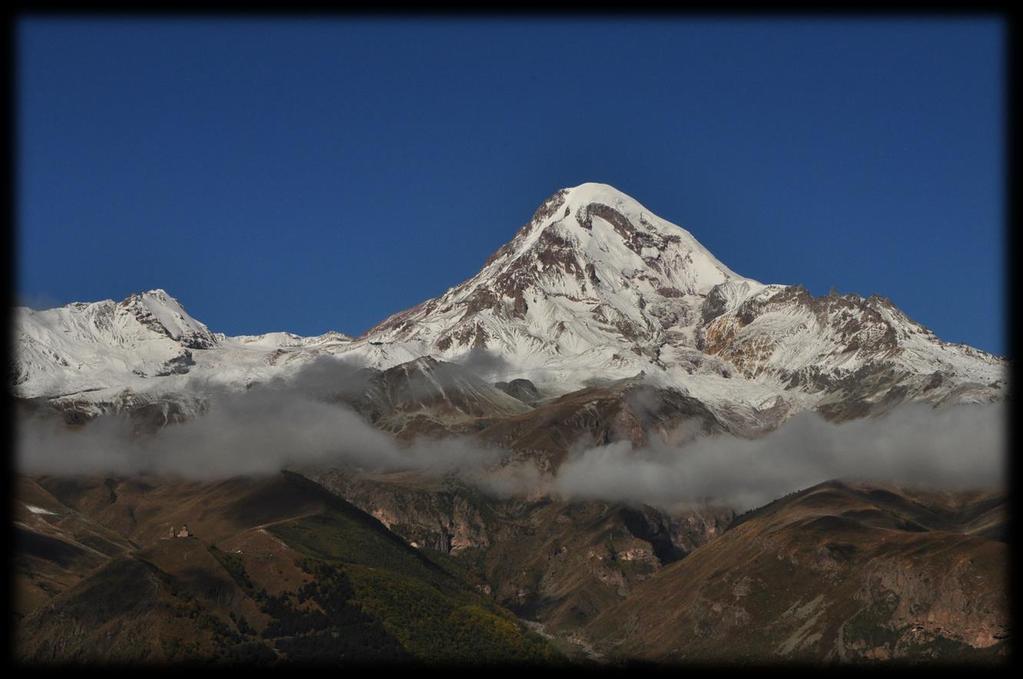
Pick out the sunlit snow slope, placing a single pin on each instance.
(594, 287)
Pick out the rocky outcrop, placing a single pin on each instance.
(546, 559)
(522, 389)
(845, 572)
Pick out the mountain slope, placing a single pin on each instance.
(849, 572)
(434, 392)
(103, 343)
(593, 287)
(270, 570)
(102, 357)
(591, 267)
(595, 284)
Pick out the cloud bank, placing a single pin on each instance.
(957, 447)
(257, 432)
(295, 425)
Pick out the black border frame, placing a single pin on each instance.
(311, 10)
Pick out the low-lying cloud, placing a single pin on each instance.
(956, 447)
(259, 432)
(292, 425)
(485, 363)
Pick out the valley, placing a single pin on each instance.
(606, 447)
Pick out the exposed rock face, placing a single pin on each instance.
(161, 313)
(840, 572)
(542, 558)
(146, 415)
(445, 518)
(178, 365)
(439, 387)
(423, 397)
(595, 284)
(601, 252)
(523, 390)
(622, 410)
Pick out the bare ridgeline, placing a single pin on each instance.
(605, 447)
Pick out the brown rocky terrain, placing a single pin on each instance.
(555, 562)
(601, 323)
(838, 572)
(271, 570)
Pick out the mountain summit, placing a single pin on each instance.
(148, 333)
(594, 287)
(593, 271)
(595, 284)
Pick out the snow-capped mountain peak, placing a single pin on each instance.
(610, 232)
(611, 226)
(593, 287)
(596, 285)
(593, 272)
(162, 313)
(103, 344)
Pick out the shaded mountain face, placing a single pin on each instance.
(443, 394)
(279, 570)
(552, 561)
(268, 571)
(621, 410)
(839, 572)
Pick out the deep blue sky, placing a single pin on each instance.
(314, 175)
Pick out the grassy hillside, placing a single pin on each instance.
(277, 570)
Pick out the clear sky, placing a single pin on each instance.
(309, 175)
